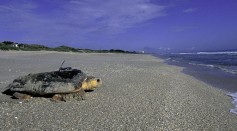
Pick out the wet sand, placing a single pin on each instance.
(139, 92)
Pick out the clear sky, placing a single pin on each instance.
(121, 24)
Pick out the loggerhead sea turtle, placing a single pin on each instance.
(64, 84)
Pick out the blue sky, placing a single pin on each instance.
(121, 24)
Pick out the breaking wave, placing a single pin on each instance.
(210, 53)
(228, 69)
(234, 102)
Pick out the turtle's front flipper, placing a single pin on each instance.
(22, 96)
(80, 95)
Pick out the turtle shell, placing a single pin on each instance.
(55, 82)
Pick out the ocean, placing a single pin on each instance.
(218, 69)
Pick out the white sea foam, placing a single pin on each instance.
(186, 53)
(210, 53)
(206, 65)
(225, 69)
(228, 70)
(215, 53)
(234, 98)
(168, 59)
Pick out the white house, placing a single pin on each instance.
(15, 45)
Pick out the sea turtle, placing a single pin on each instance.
(64, 84)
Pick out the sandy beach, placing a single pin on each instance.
(139, 92)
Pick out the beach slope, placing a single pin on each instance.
(139, 92)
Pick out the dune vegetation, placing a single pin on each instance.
(9, 45)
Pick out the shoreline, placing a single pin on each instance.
(205, 70)
(209, 75)
(214, 77)
(139, 92)
(218, 79)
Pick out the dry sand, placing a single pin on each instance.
(139, 92)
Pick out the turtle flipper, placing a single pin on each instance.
(71, 96)
(57, 97)
(21, 95)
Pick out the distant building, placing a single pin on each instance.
(142, 52)
(15, 45)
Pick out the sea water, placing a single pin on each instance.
(218, 69)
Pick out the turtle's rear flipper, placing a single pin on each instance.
(57, 97)
(21, 96)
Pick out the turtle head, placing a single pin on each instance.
(90, 83)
